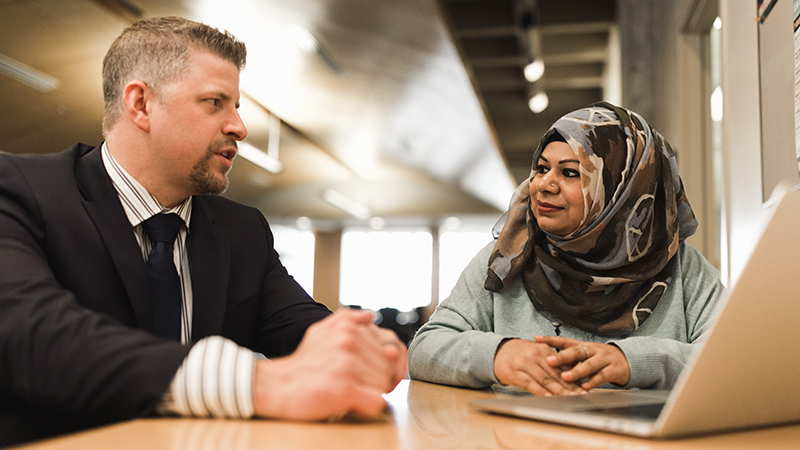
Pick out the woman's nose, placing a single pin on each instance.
(548, 182)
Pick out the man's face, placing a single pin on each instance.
(195, 126)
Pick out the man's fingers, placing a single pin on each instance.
(354, 334)
(361, 348)
(398, 355)
(365, 402)
(393, 355)
(343, 364)
(361, 316)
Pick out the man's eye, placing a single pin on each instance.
(214, 101)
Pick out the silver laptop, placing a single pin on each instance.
(745, 375)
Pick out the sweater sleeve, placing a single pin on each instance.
(458, 344)
(656, 362)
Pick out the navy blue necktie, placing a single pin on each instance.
(165, 284)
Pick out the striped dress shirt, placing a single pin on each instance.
(216, 378)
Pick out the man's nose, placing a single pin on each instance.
(236, 128)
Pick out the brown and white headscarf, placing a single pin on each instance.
(607, 276)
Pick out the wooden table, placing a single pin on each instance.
(421, 416)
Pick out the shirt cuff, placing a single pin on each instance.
(215, 380)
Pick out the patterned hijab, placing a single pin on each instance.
(607, 276)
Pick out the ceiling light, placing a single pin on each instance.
(303, 38)
(534, 70)
(451, 223)
(303, 223)
(716, 105)
(347, 204)
(27, 75)
(538, 102)
(377, 223)
(310, 44)
(257, 156)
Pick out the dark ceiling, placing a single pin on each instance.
(575, 43)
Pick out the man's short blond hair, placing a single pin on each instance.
(156, 52)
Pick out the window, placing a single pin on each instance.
(296, 249)
(386, 269)
(456, 250)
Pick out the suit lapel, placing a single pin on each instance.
(210, 259)
(103, 206)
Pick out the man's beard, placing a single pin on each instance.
(204, 179)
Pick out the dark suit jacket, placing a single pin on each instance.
(75, 310)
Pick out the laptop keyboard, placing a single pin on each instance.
(646, 411)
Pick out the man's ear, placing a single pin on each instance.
(137, 98)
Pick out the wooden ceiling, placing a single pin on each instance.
(414, 108)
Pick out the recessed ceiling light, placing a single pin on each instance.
(534, 70)
(539, 102)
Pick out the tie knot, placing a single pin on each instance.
(163, 227)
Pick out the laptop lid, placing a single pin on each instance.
(744, 375)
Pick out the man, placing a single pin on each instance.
(78, 313)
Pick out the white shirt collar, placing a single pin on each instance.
(138, 203)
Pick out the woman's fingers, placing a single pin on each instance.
(523, 363)
(592, 362)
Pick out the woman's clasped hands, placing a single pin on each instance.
(576, 368)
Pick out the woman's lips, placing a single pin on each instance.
(547, 207)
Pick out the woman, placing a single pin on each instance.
(590, 281)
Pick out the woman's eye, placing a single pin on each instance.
(541, 170)
(571, 173)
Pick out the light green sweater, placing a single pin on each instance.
(458, 344)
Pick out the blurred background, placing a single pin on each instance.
(386, 136)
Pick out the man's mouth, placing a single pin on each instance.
(228, 154)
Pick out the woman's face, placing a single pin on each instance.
(556, 194)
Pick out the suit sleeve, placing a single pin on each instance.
(286, 309)
(55, 354)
